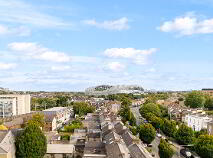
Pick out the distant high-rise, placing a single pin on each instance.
(14, 104)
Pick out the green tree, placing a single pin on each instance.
(184, 135)
(38, 119)
(164, 110)
(165, 151)
(150, 108)
(204, 146)
(127, 115)
(169, 128)
(82, 108)
(201, 132)
(31, 143)
(156, 122)
(147, 133)
(208, 103)
(194, 99)
(126, 101)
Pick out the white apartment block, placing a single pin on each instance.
(14, 104)
(197, 121)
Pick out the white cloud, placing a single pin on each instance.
(188, 25)
(119, 24)
(115, 66)
(138, 56)
(19, 12)
(151, 70)
(36, 51)
(19, 31)
(60, 68)
(7, 66)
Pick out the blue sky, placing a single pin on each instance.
(66, 45)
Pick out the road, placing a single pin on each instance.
(136, 113)
(156, 141)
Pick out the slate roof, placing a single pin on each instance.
(137, 151)
(128, 138)
(2, 135)
(120, 128)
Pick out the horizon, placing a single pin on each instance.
(68, 46)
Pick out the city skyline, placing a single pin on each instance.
(70, 46)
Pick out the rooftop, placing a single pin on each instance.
(55, 109)
(2, 135)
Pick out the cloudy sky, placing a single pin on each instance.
(67, 45)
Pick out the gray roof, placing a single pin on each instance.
(138, 151)
(2, 135)
(128, 138)
(120, 128)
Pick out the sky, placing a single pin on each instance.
(67, 45)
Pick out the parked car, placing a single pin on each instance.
(186, 153)
(159, 135)
(149, 145)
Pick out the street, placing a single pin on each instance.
(156, 141)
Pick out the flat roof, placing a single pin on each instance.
(60, 148)
(55, 109)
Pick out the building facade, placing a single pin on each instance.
(12, 105)
(197, 121)
(61, 114)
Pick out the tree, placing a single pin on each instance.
(82, 108)
(31, 143)
(164, 110)
(150, 108)
(126, 101)
(127, 115)
(201, 132)
(208, 103)
(204, 146)
(169, 128)
(38, 119)
(156, 122)
(165, 151)
(194, 99)
(147, 133)
(184, 135)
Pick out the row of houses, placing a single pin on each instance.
(197, 119)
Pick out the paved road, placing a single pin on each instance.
(136, 113)
(155, 143)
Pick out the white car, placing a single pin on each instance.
(159, 135)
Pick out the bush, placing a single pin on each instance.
(65, 137)
(147, 133)
(165, 151)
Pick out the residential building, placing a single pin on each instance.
(115, 107)
(210, 127)
(14, 104)
(208, 91)
(7, 144)
(197, 121)
(61, 114)
(50, 123)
